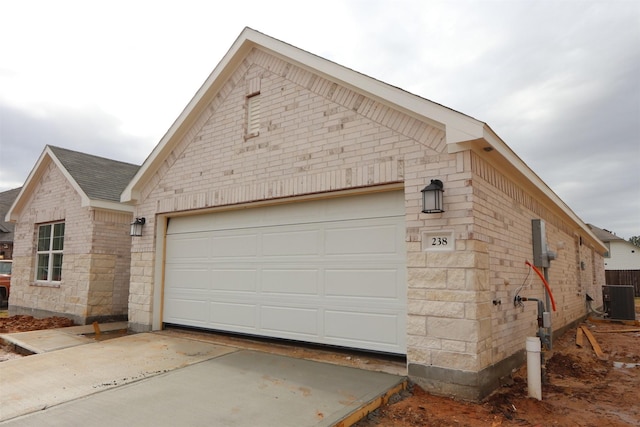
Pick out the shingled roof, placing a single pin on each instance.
(98, 177)
(604, 235)
(98, 181)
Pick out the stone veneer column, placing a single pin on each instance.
(449, 320)
(141, 291)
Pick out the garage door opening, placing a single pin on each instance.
(329, 272)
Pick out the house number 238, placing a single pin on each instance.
(439, 241)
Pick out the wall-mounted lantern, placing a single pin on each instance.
(136, 227)
(432, 197)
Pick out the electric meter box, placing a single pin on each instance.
(540, 253)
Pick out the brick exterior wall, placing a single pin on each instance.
(317, 137)
(96, 256)
(503, 209)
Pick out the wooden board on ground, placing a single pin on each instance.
(614, 331)
(579, 337)
(594, 343)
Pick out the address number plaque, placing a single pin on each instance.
(438, 241)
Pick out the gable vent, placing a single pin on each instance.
(253, 115)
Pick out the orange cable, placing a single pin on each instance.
(546, 285)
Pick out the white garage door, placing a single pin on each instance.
(329, 272)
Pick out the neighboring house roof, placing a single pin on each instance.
(462, 132)
(604, 235)
(6, 200)
(99, 178)
(623, 255)
(98, 181)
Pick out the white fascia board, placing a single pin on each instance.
(458, 126)
(29, 183)
(42, 163)
(83, 196)
(225, 67)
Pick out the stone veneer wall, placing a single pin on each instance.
(110, 265)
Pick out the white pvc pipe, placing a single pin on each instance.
(534, 373)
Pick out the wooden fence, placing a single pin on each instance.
(624, 277)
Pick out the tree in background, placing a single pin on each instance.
(635, 240)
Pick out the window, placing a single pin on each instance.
(253, 115)
(49, 253)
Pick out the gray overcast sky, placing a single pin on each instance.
(558, 81)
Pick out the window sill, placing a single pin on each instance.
(46, 284)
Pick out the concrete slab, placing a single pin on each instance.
(48, 379)
(243, 388)
(47, 340)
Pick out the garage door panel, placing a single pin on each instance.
(327, 272)
(386, 204)
(189, 247)
(290, 281)
(243, 245)
(292, 320)
(373, 239)
(290, 243)
(184, 277)
(363, 327)
(234, 316)
(236, 280)
(187, 311)
(368, 283)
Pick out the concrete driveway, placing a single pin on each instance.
(156, 379)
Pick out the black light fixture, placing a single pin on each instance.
(136, 226)
(432, 197)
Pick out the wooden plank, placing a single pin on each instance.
(624, 322)
(594, 343)
(374, 404)
(614, 331)
(579, 337)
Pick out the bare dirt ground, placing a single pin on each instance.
(21, 323)
(580, 389)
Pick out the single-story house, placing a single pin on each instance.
(72, 249)
(286, 201)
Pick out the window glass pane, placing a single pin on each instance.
(58, 237)
(44, 234)
(5, 268)
(56, 274)
(43, 267)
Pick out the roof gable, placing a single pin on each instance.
(459, 127)
(98, 181)
(462, 132)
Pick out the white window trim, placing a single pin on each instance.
(51, 252)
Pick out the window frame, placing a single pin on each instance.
(50, 249)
